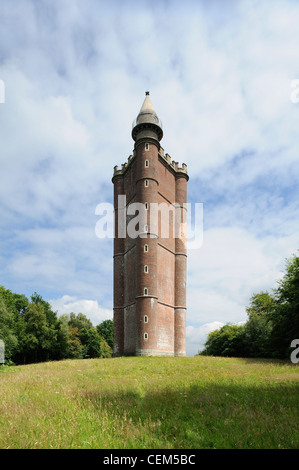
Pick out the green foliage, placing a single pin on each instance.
(105, 329)
(40, 334)
(91, 341)
(6, 331)
(258, 329)
(106, 350)
(285, 317)
(227, 342)
(32, 332)
(262, 305)
(16, 303)
(75, 347)
(79, 321)
(273, 322)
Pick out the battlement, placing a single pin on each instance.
(166, 158)
(172, 163)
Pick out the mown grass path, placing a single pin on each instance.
(154, 403)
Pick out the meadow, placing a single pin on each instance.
(150, 402)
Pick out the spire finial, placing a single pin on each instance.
(146, 119)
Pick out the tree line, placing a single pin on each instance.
(32, 331)
(273, 322)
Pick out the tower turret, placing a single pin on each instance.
(147, 124)
(150, 268)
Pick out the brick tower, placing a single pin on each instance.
(150, 269)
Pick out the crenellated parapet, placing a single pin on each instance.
(164, 157)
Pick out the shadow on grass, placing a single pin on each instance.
(198, 417)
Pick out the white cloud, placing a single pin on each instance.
(68, 304)
(229, 268)
(197, 336)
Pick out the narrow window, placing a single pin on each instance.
(146, 164)
(146, 228)
(145, 336)
(145, 248)
(146, 269)
(145, 319)
(146, 183)
(146, 206)
(146, 146)
(145, 291)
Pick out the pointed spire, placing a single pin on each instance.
(147, 106)
(147, 117)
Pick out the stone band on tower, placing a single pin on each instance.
(150, 269)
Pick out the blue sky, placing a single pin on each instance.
(219, 74)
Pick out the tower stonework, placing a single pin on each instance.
(150, 269)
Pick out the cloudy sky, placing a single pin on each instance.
(222, 78)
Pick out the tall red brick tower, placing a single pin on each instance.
(150, 269)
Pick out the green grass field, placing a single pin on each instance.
(132, 403)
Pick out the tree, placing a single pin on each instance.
(17, 305)
(258, 328)
(105, 329)
(32, 332)
(273, 322)
(80, 321)
(91, 341)
(6, 331)
(75, 347)
(105, 348)
(40, 335)
(84, 341)
(58, 345)
(285, 317)
(227, 341)
(51, 316)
